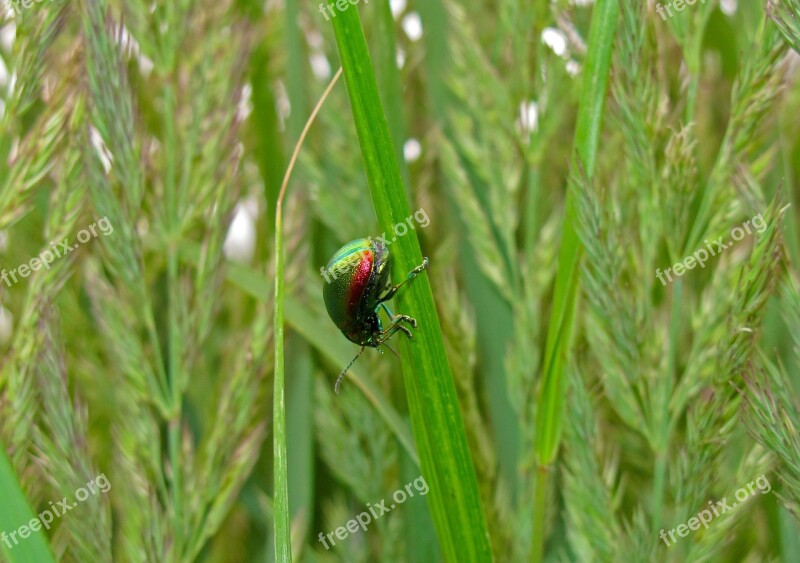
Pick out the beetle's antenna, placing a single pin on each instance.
(344, 371)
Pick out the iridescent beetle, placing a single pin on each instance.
(358, 283)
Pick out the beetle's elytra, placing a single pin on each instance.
(358, 283)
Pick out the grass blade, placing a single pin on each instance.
(553, 390)
(435, 415)
(16, 512)
(282, 515)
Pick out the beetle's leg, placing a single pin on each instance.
(389, 332)
(411, 275)
(410, 320)
(394, 318)
(386, 308)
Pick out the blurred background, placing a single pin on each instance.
(146, 353)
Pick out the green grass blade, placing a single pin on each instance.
(282, 516)
(421, 543)
(587, 135)
(17, 512)
(435, 415)
(552, 395)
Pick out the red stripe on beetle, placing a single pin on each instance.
(359, 281)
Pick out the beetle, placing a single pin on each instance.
(358, 284)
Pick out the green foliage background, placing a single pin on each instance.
(147, 354)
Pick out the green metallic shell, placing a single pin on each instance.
(354, 279)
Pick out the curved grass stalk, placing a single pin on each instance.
(282, 515)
